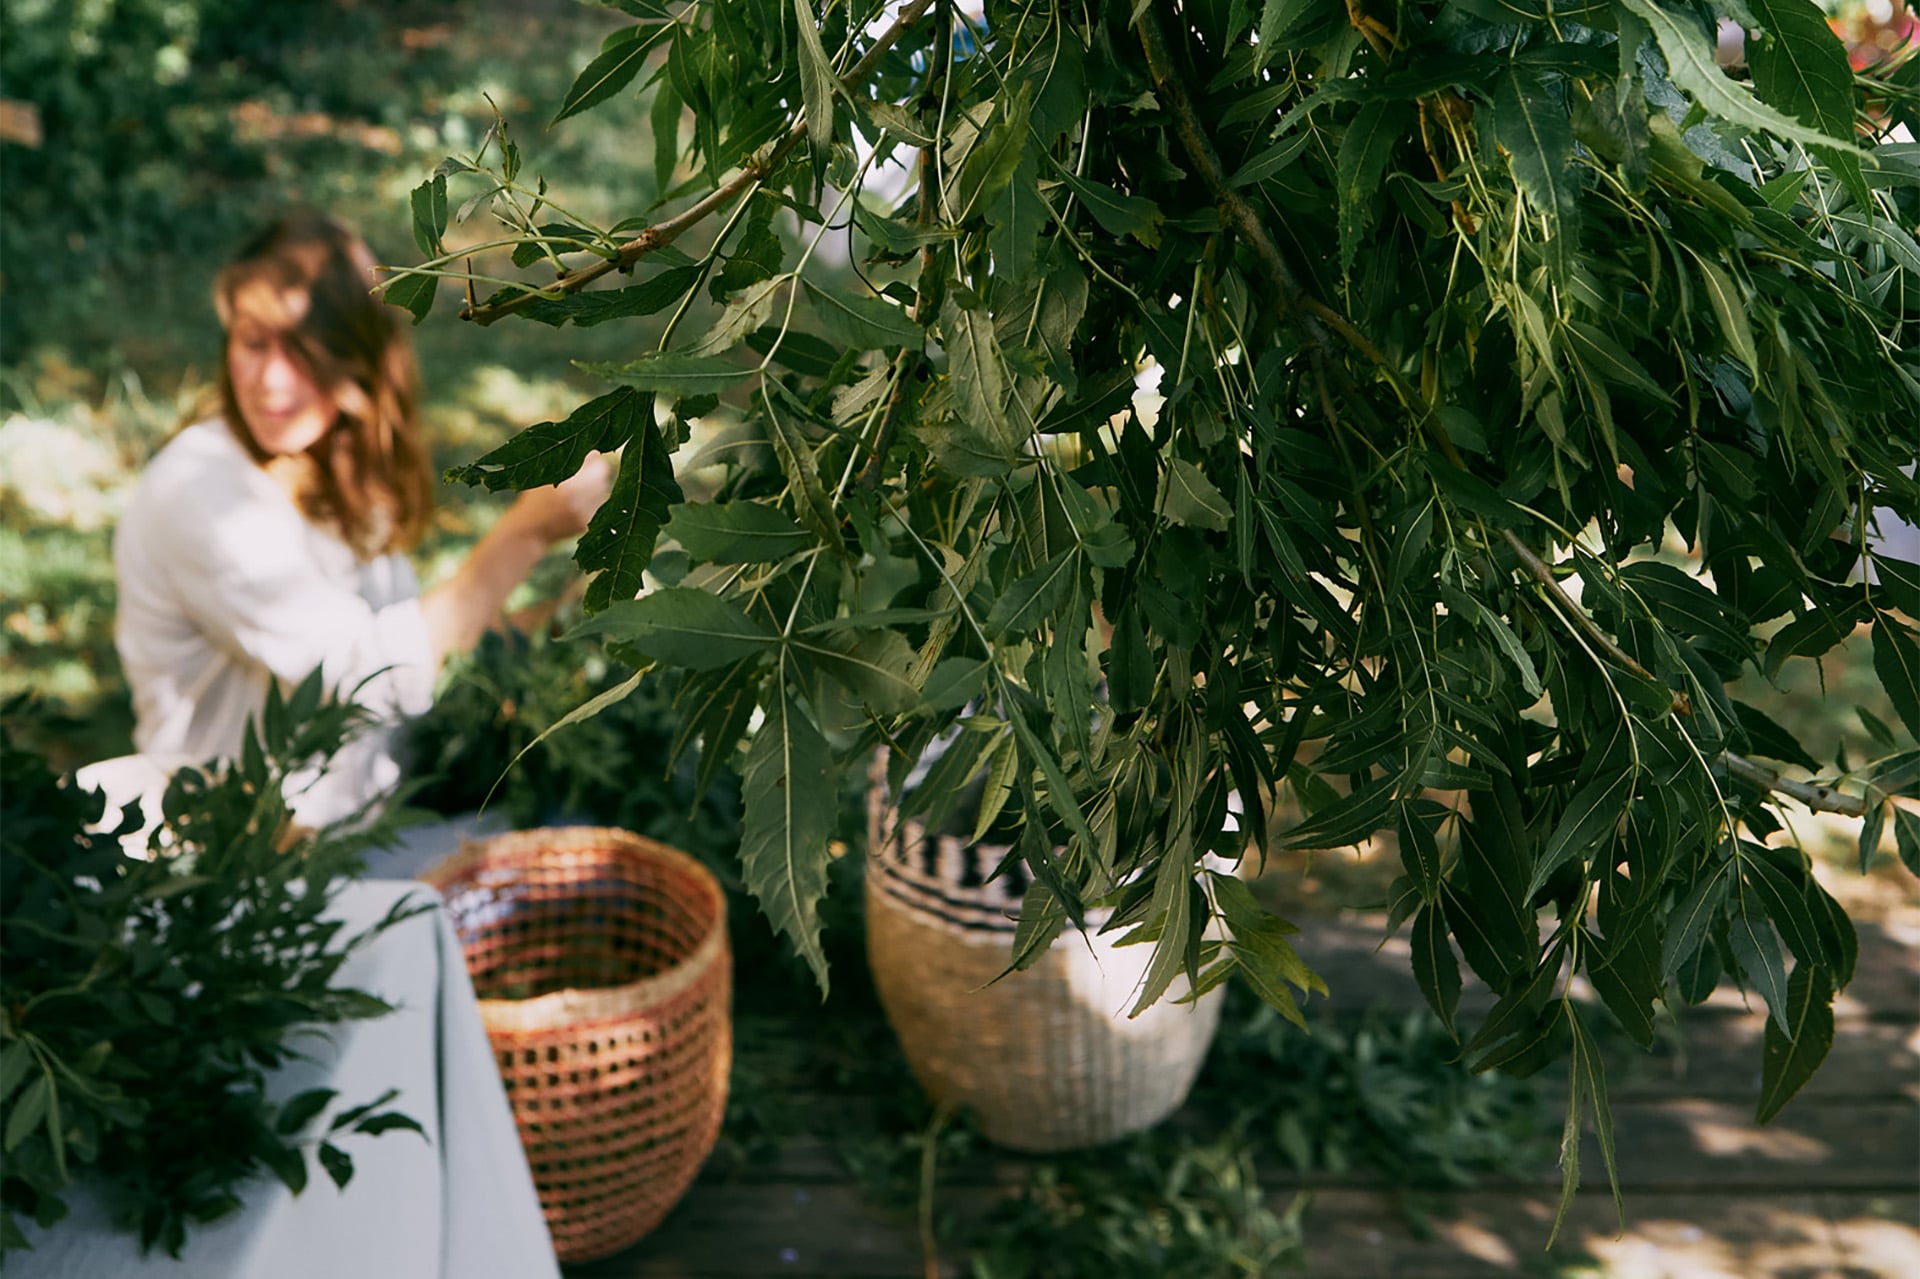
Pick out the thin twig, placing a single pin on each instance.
(929, 1153)
(889, 422)
(661, 234)
(1544, 575)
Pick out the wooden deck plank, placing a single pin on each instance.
(755, 1232)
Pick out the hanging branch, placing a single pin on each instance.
(660, 235)
(1316, 318)
(1814, 795)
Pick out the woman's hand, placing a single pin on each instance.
(458, 610)
(563, 510)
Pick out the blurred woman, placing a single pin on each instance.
(270, 539)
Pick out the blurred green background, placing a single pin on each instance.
(140, 141)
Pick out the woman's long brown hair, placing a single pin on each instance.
(370, 477)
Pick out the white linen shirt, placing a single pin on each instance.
(224, 584)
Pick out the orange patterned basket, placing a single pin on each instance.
(601, 963)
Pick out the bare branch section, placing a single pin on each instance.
(1823, 799)
(660, 235)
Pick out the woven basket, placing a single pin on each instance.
(1046, 1058)
(601, 963)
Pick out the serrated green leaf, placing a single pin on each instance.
(548, 452)
(413, 293)
(1611, 361)
(803, 475)
(1770, 740)
(816, 79)
(1897, 585)
(597, 306)
(741, 532)
(1485, 619)
(954, 682)
(1900, 243)
(1272, 160)
(1042, 919)
(874, 666)
(1016, 214)
(619, 541)
(1419, 853)
(429, 203)
(787, 821)
(671, 372)
(1896, 660)
(681, 626)
(1729, 309)
(1799, 65)
(1035, 753)
(1434, 967)
(745, 312)
(605, 76)
(900, 122)
(862, 323)
(1757, 949)
(1033, 598)
(1117, 214)
(1188, 497)
(1906, 836)
(1365, 150)
(1797, 1044)
(1534, 128)
(977, 375)
(1347, 821)
(1591, 816)
(1181, 908)
(1689, 52)
(1590, 1084)
(991, 164)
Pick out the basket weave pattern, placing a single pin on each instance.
(1046, 1058)
(601, 963)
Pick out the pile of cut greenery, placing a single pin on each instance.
(143, 1003)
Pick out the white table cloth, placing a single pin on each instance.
(460, 1204)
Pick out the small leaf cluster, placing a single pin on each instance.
(144, 1004)
(1282, 425)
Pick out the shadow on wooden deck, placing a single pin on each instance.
(1829, 1190)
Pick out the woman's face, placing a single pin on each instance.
(286, 411)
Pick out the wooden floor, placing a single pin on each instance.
(1829, 1190)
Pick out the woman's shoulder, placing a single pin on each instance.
(203, 459)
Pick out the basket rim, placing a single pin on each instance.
(574, 1004)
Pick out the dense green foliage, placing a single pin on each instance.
(144, 1002)
(1524, 378)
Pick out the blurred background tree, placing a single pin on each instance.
(140, 140)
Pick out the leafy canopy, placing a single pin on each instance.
(1523, 377)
